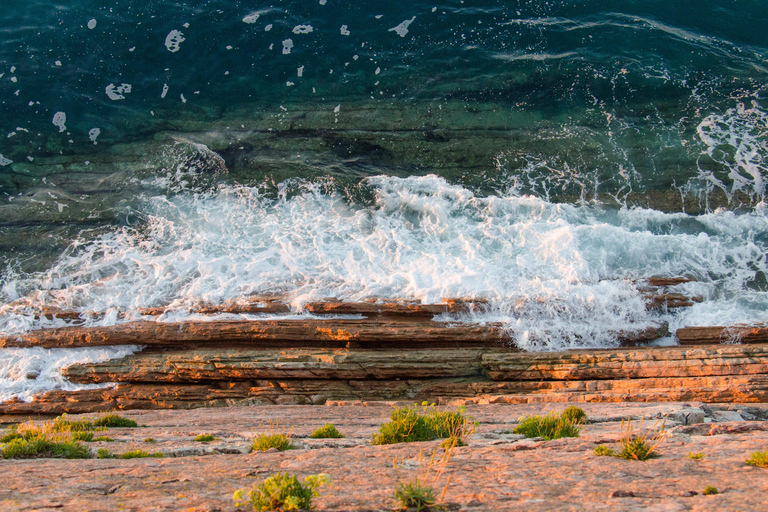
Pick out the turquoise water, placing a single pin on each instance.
(541, 155)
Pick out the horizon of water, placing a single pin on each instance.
(622, 100)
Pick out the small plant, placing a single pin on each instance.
(709, 490)
(139, 454)
(113, 420)
(695, 456)
(39, 447)
(575, 415)
(553, 426)
(759, 459)
(640, 446)
(327, 431)
(415, 495)
(604, 451)
(264, 442)
(282, 492)
(452, 442)
(103, 453)
(204, 438)
(149, 440)
(408, 425)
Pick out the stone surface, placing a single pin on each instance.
(728, 334)
(497, 471)
(220, 377)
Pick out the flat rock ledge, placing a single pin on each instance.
(232, 376)
(498, 470)
(387, 351)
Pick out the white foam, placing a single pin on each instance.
(173, 40)
(344, 30)
(117, 92)
(303, 29)
(251, 18)
(559, 276)
(93, 134)
(402, 28)
(5, 161)
(25, 372)
(59, 121)
(287, 45)
(165, 91)
(92, 24)
(736, 140)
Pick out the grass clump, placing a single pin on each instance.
(264, 442)
(415, 495)
(282, 492)
(696, 456)
(710, 490)
(410, 424)
(604, 451)
(327, 431)
(103, 453)
(637, 446)
(204, 438)
(149, 440)
(113, 420)
(553, 426)
(139, 454)
(758, 459)
(41, 447)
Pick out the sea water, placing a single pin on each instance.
(543, 156)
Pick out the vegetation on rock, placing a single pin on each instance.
(264, 442)
(327, 431)
(204, 438)
(409, 424)
(759, 459)
(415, 495)
(696, 456)
(113, 420)
(282, 492)
(710, 490)
(41, 447)
(553, 426)
(636, 446)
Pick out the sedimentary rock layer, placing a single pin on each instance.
(204, 378)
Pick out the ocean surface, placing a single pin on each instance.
(543, 155)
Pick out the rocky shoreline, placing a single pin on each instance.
(498, 470)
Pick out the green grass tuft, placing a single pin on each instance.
(758, 459)
(264, 442)
(415, 495)
(408, 424)
(696, 456)
(103, 453)
(553, 426)
(282, 492)
(139, 454)
(327, 431)
(204, 438)
(709, 490)
(40, 447)
(604, 451)
(113, 420)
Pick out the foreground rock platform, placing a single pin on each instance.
(498, 470)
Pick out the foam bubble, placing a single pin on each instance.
(115, 92)
(92, 24)
(59, 121)
(402, 28)
(344, 30)
(251, 18)
(5, 161)
(302, 29)
(287, 45)
(173, 40)
(93, 134)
